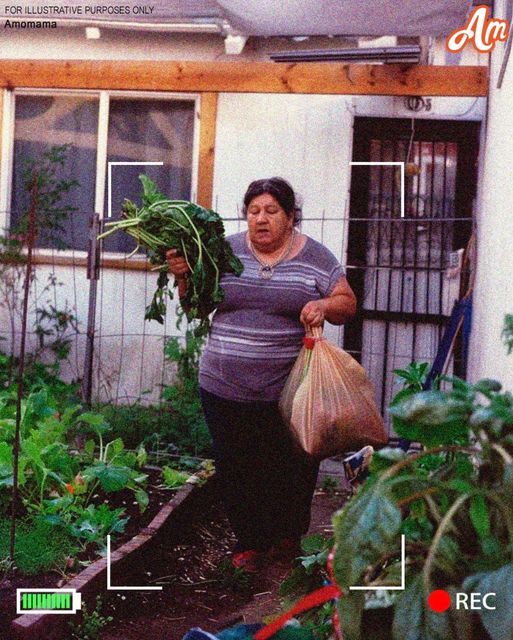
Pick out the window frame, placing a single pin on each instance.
(100, 200)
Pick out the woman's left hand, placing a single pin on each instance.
(312, 314)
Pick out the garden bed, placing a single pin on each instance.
(92, 580)
(200, 589)
(185, 549)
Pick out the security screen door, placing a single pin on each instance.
(402, 268)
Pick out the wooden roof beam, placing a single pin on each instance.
(247, 77)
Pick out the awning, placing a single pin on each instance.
(346, 17)
(261, 17)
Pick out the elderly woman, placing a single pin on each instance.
(289, 282)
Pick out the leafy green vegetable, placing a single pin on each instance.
(97, 522)
(453, 503)
(161, 224)
(173, 478)
(500, 582)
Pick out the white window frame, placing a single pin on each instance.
(104, 96)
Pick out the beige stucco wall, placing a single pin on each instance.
(493, 296)
(308, 139)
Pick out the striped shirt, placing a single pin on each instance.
(256, 334)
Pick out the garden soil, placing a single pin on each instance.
(158, 496)
(199, 589)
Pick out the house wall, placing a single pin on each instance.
(115, 44)
(493, 294)
(305, 138)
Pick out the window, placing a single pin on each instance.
(44, 121)
(150, 131)
(127, 129)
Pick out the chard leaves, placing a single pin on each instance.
(197, 233)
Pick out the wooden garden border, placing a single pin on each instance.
(93, 580)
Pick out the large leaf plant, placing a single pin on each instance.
(453, 502)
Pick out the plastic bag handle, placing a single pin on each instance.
(312, 334)
(316, 332)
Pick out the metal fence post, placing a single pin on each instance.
(93, 275)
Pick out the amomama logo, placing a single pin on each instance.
(481, 30)
(440, 600)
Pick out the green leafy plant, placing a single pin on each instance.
(36, 376)
(52, 188)
(308, 574)
(507, 332)
(161, 224)
(173, 479)
(413, 379)
(136, 423)
(453, 502)
(60, 473)
(53, 326)
(114, 469)
(39, 546)
(95, 523)
(187, 429)
(91, 624)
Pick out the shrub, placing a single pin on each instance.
(453, 502)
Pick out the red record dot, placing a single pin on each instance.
(439, 600)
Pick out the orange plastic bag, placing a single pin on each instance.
(328, 401)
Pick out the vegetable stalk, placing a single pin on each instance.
(161, 224)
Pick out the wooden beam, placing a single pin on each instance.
(1, 109)
(247, 77)
(208, 115)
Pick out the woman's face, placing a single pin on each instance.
(268, 224)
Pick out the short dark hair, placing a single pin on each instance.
(281, 191)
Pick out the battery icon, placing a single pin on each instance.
(48, 601)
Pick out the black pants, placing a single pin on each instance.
(266, 481)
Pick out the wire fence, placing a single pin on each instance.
(107, 294)
(119, 357)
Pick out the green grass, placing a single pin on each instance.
(40, 546)
(183, 431)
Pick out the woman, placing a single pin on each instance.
(289, 282)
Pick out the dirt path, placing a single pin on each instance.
(197, 591)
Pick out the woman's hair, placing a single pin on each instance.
(281, 191)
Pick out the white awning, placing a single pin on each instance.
(346, 17)
(263, 17)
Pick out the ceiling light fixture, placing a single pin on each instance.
(234, 44)
(92, 33)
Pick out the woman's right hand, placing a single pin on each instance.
(177, 264)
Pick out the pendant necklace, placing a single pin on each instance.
(266, 270)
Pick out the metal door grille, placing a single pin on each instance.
(401, 267)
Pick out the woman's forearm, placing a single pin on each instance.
(182, 287)
(339, 308)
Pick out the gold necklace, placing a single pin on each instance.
(266, 270)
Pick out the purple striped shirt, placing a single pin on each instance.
(256, 334)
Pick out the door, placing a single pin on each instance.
(404, 269)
